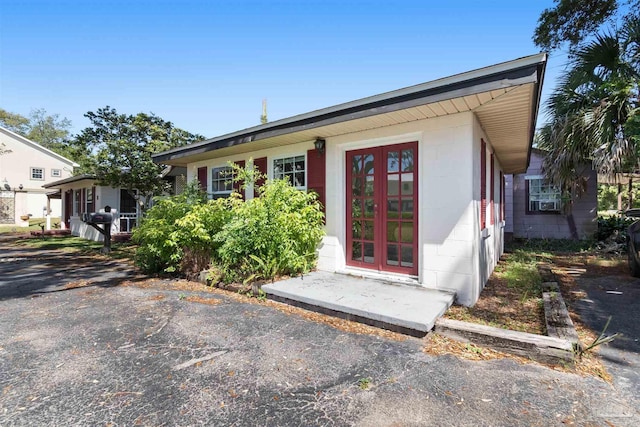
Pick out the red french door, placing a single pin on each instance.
(382, 208)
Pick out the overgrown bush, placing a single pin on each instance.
(177, 225)
(608, 226)
(274, 234)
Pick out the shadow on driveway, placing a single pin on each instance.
(27, 271)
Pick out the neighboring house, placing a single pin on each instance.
(24, 169)
(534, 208)
(176, 177)
(83, 194)
(411, 179)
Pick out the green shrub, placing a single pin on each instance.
(274, 234)
(157, 251)
(615, 224)
(545, 247)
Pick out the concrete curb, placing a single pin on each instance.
(560, 346)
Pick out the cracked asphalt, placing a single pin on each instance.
(107, 354)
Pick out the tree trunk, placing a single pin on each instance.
(572, 227)
(630, 193)
(619, 196)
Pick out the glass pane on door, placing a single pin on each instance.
(400, 210)
(362, 218)
(382, 208)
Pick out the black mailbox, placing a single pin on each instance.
(99, 218)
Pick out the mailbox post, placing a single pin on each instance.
(105, 219)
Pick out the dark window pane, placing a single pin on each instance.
(393, 231)
(407, 208)
(356, 186)
(368, 230)
(299, 179)
(392, 254)
(356, 229)
(407, 232)
(407, 160)
(392, 208)
(356, 252)
(393, 182)
(407, 256)
(356, 208)
(356, 165)
(368, 253)
(407, 184)
(368, 186)
(368, 208)
(393, 164)
(368, 164)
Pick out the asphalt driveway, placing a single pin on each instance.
(615, 296)
(109, 354)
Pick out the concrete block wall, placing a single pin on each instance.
(552, 225)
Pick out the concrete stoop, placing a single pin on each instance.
(401, 308)
(416, 311)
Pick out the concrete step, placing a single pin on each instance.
(402, 308)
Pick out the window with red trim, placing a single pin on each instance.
(483, 184)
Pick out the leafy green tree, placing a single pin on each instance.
(571, 22)
(118, 148)
(50, 131)
(594, 113)
(14, 122)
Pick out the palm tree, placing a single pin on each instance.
(594, 113)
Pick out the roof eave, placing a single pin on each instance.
(70, 180)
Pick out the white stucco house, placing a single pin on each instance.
(412, 180)
(25, 168)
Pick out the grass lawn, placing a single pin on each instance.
(512, 299)
(124, 250)
(34, 225)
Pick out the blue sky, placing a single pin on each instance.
(207, 65)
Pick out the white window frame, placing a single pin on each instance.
(228, 180)
(34, 169)
(272, 165)
(551, 196)
(56, 173)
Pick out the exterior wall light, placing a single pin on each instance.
(319, 144)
